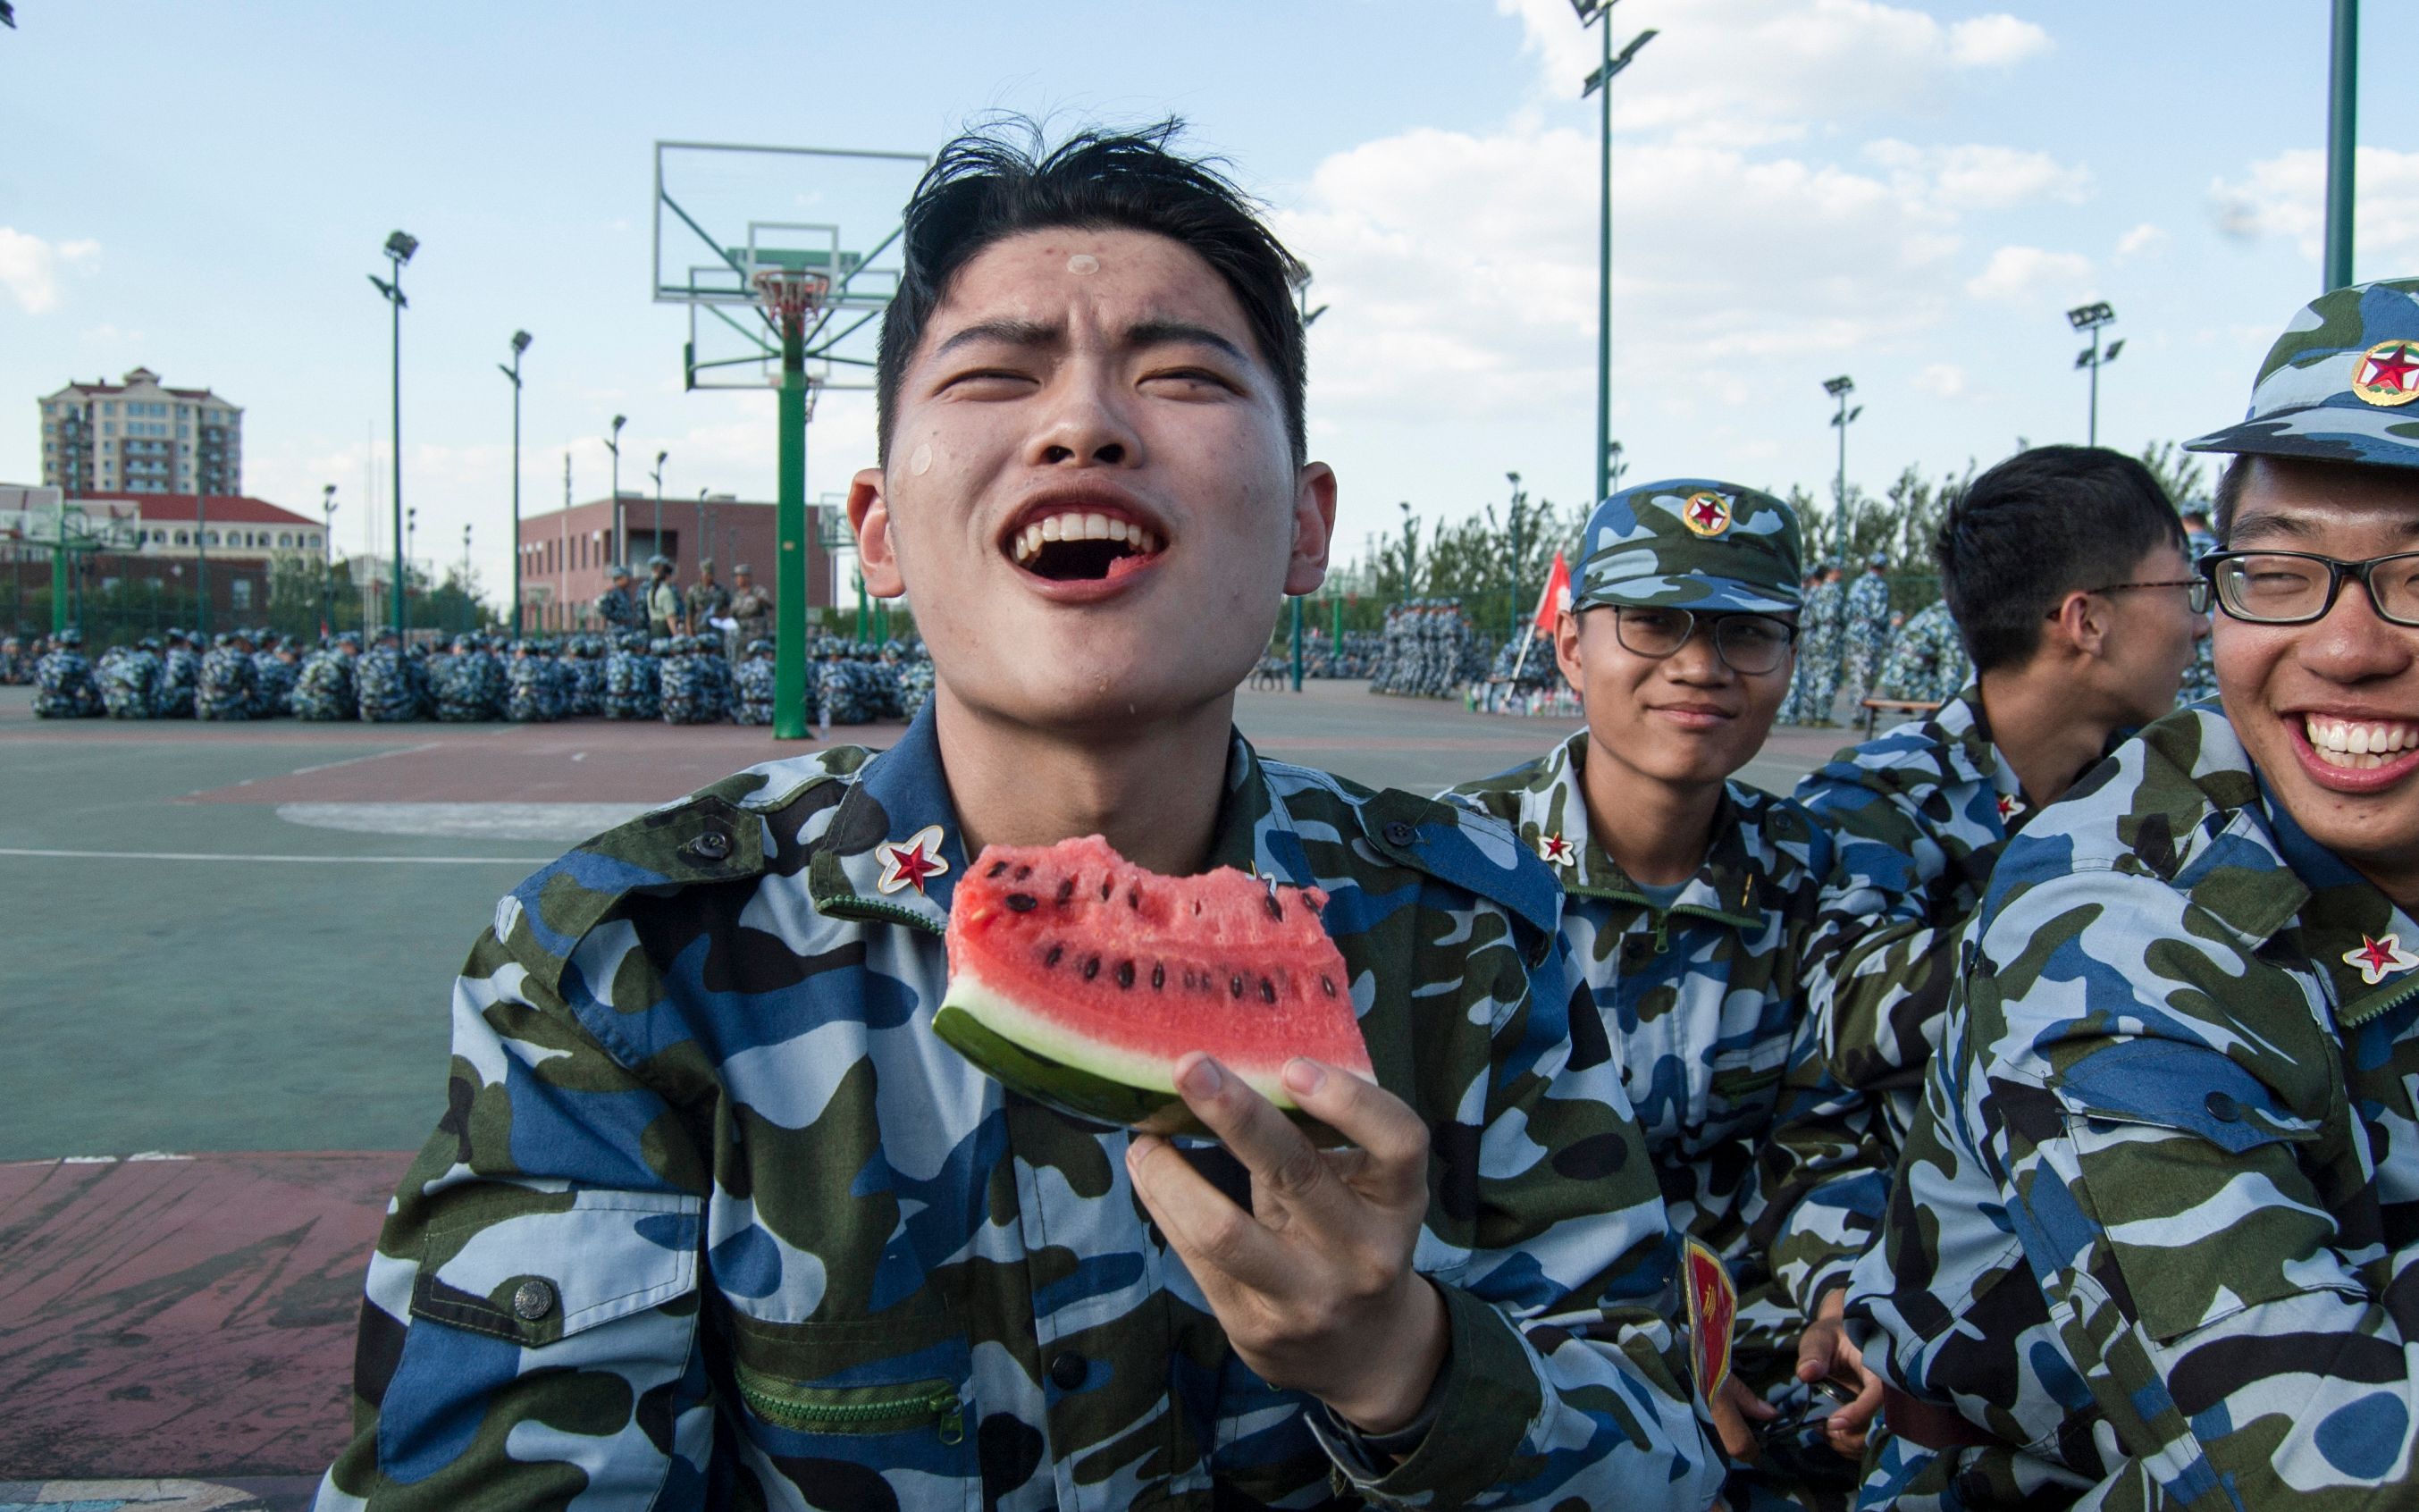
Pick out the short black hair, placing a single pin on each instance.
(999, 180)
(2042, 525)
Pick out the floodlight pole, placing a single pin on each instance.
(328, 560)
(520, 344)
(1599, 13)
(659, 500)
(201, 545)
(2343, 140)
(620, 534)
(790, 535)
(1840, 388)
(399, 248)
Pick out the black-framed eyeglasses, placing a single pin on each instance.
(2301, 587)
(2197, 591)
(1748, 644)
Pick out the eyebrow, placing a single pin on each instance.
(1036, 334)
(2270, 524)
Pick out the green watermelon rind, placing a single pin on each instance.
(996, 1033)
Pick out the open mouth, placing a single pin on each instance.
(1072, 544)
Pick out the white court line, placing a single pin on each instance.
(219, 856)
(374, 756)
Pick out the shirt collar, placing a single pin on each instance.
(898, 820)
(2350, 930)
(1554, 815)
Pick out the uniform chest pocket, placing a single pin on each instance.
(832, 1404)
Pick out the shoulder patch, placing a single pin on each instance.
(1475, 851)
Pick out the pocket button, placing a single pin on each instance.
(2223, 1108)
(531, 1301)
(1068, 1370)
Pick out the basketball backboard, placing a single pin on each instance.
(725, 212)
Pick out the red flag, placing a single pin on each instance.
(1557, 596)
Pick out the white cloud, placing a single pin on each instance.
(1740, 71)
(1941, 380)
(2141, 241)
(2017, 274)
(2284, 195)
(1974, 176)
(1502, 311)
(30, 267)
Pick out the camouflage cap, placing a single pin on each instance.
(71, 637)
(2341, 384)
(1692, 543)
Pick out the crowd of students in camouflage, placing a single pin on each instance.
(475, 678)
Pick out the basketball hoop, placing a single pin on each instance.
(790, 295)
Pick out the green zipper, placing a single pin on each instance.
(2391, 1001)
(932, 1403)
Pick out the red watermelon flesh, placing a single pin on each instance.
(1081, 979)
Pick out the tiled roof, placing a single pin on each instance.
(224, 509)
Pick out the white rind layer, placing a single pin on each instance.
(1001, 1013)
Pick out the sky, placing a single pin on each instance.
(1909, 192)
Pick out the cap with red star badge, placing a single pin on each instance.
(2341, 384)
(1695, 543)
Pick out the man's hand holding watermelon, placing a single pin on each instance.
(1315, 1284)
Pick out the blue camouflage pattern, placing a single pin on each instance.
(1690, 543)
(2341, 384)
(715, 1220)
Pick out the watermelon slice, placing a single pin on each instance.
(1079, 979)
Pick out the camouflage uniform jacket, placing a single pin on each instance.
(1920, 814)
(1868, 614)
(1927, 662)
(2156, 1233)
(715, 1220)
(1701, 1002)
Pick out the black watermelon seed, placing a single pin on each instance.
(1023, 903)
(1235, 985)
(1159, 976)
(1268, 990)
(1066, 893)
(1058, 952)
(1328, 982)
(1023, 871)
(1108, 884)
(1125, 973)
(1276, 909)
(996, 868)
(1091, 967)
(1133, 900)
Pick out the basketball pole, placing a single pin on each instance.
(790, 526)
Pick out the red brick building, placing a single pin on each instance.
(564, 552)
(169, 533)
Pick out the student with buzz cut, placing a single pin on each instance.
(2156, 1242)
(714, 1220)
(2065, 569)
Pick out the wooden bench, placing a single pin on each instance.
(1876, 708)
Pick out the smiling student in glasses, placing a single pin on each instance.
(2156, 1242)
(1688, 898)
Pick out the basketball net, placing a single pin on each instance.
(790, 295)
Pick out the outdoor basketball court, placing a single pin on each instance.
(226, 956)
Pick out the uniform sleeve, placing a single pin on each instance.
(1566, 1383)
(1825, 1169)
(2155, 1152)
(530, 1334)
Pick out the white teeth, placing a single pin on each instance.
(1084, 528)
(1053, 528)
(1096, 528)
(2358, 746)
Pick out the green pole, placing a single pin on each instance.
(59, 570)
(789, 560)
(2342, 139)
(1297, 643)
(1604, 271)
(1337, 629)
(860, 606)
(395, 388)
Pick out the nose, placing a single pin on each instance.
(1082, 423)
(2353, 644)
(1696, 661)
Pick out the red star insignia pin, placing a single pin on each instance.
(2009, 806)
(2388, 375)
(1556, 851)
(2379, 959)
(909, 861)
(1707, 513)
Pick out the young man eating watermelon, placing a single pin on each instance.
(716, 1219)
(1690, 897)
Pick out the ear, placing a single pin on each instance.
(2082, 623)
(1567, 649)
(868, 516)
(1314, 528)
